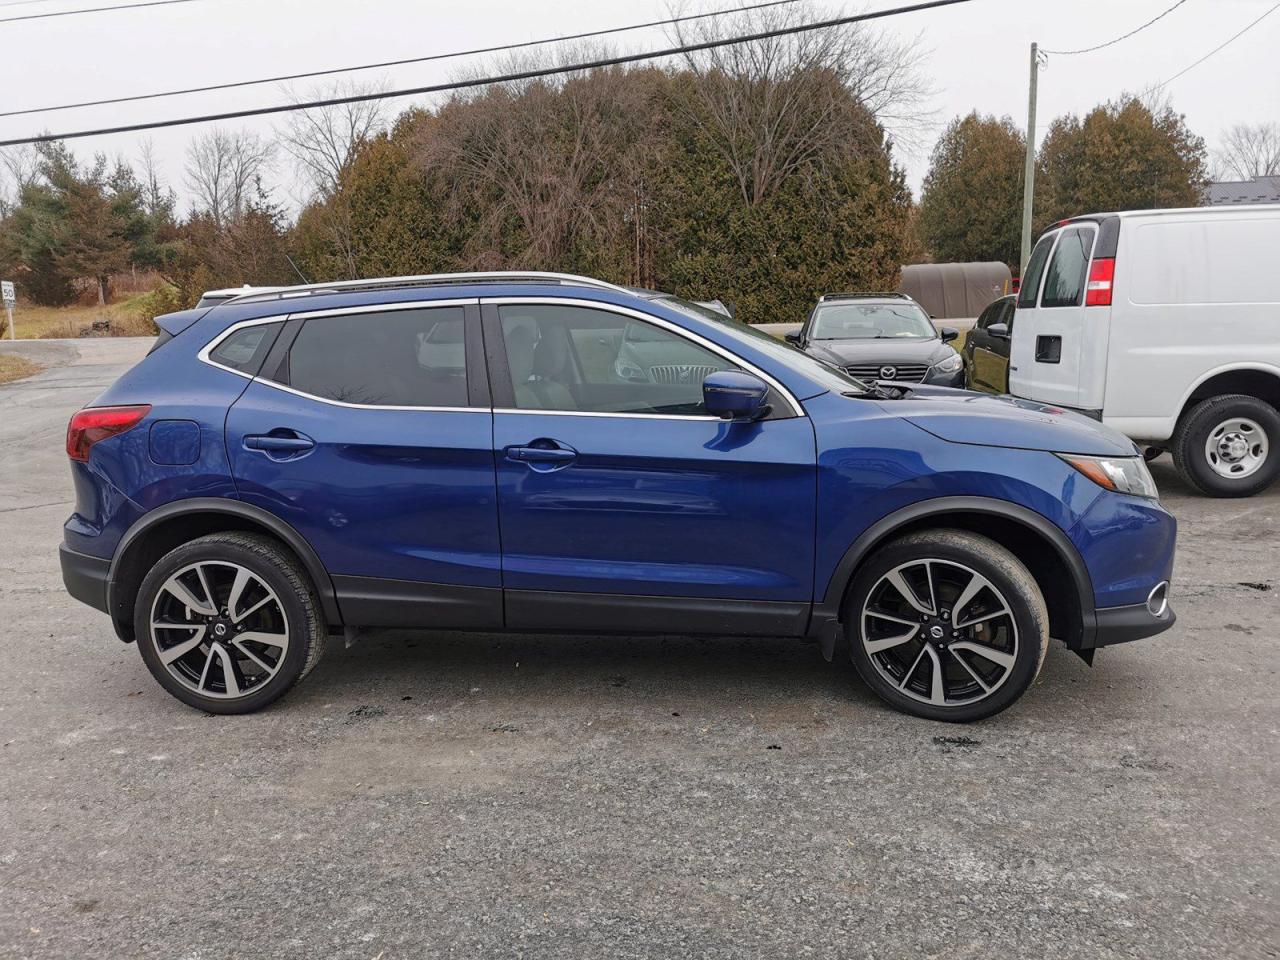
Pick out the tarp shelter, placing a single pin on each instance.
(955, 290)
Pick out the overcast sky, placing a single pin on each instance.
(977, 56)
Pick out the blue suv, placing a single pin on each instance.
(541, 452)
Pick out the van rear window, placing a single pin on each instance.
(1064, 286)
(1035, 268)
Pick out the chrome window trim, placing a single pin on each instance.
(212, 345)
(604, 413)
(667, 325)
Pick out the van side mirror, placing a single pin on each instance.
(948, 334)
(999, 330)
(735, 395)
(793, 337)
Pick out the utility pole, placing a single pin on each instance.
(1029, 173)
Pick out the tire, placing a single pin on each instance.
(272, 638)
(1229, 446)
(898, 648)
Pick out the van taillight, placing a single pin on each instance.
(1101, 273)
(92, 424)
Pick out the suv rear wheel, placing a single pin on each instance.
(228, 623)
(947, 625)
(1229, 446)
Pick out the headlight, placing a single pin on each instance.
(1121, 474)
(949, 365)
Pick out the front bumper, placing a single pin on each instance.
(1134, 622)
(85, 577)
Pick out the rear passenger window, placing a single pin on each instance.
(245, 349)
(1030, 285)
(1064, 285)
(396, 358)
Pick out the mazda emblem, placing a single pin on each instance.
(888, 373)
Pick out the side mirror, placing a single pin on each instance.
(949, 334)
(735, 395)
(999, 330)
(793, 337)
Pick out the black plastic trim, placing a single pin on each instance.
(85, 577)
(203, 505)
(1108, 240)
(833, 598)
(376, 602)
(625, 614)
(1126, 624)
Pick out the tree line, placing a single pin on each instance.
(760, 174)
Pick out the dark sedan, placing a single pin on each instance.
(881, 336)
(986, 348)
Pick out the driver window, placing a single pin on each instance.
(597, 361)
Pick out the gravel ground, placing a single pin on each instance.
(518, 796)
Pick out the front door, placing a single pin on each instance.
(369, 431)
(623, 506)
(989, 355)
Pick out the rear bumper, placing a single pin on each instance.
(1134, 622)
(85, 577)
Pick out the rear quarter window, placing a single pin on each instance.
(245, 349)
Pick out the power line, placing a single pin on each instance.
(397, 63)
(1067, 53)
(72, 13)
(489, 81)
(1215, 49)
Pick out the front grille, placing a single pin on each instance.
(906, 372)
(677, 373)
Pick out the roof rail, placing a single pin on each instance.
(857, 294)
(380, 283)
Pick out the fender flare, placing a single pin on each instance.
(235, 508)
(828, 608)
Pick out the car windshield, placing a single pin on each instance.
(830, 376)
(871, 321)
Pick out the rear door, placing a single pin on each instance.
(369, 431)
(623, 505)
(1047, 358)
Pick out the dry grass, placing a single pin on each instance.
(74, 320)
(13, 367)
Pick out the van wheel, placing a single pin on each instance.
(228, 623)
(1229, 446)
(947, 625)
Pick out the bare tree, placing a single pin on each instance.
(1248, 151)
(773, 105)
(322, 140)
(21, 169)
(221, 167)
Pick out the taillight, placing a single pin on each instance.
(1098, 292)
(92, 424)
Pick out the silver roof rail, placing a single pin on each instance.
(377, 283)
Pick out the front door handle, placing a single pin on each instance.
(542, 454)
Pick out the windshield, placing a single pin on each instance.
(831, 377)
(871, 321)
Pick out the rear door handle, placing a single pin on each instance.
(283, 443)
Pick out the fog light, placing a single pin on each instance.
(1158, 599)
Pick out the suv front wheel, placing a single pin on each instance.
(228, 623)
(947, 625)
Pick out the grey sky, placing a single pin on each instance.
(977, 56)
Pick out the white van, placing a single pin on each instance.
(1164, 324)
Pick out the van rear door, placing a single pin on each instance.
(1058, 354)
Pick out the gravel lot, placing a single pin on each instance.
(517, 796)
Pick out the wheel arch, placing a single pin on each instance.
(1059, 571)
(1252, 379)
(180, 521)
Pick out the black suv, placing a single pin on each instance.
(881, 336)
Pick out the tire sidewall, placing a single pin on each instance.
(1029, 616)
(213, 549)
(1204, 419)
